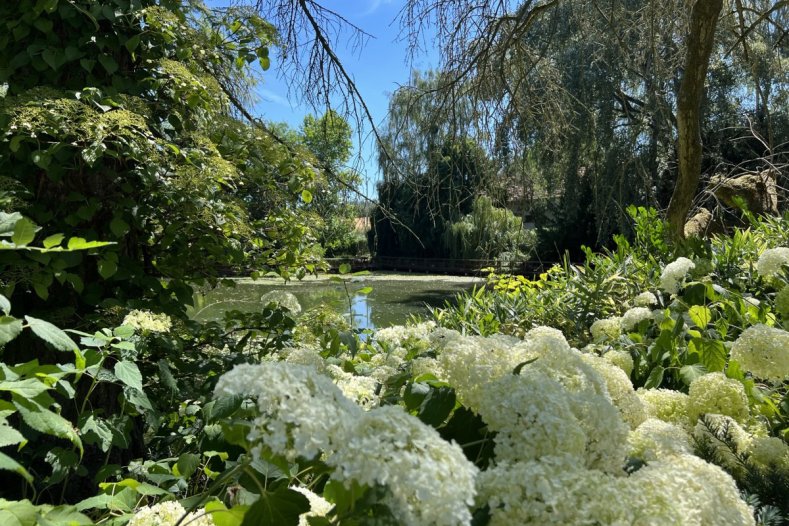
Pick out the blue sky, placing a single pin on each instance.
(378, 69)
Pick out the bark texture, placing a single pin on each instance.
(701, 39)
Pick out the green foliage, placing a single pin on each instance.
(488, 233)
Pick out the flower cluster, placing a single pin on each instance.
(666, 405)
(606, 329)
(168, 513)
(620, 389)
(769, 451)
(147, 322)
(674, 274)
(679, 489)
(714, 393)
(645, 299)
(655, 439)
(304, 414)
(319, 507)
(771, 262)
(764, 351)
(632, 317)
(621, 359)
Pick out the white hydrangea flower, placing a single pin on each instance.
(620, 389)
(360, 389)
(769, 451)
(702, 492)
(532, 416)
(764, 351)
(147, 321)
(429, 480)
(283, 299)
(666, 404)
(169, 514)
(303, 414)
(645, 299)
(771, 262)
(556, 491)
(714, 393)
(606, 329)
(632, 317)
(621, 359)
(674, 274)
(403, 335)
(319, 507)
(655, 439)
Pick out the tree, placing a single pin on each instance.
(701, 36)
(117, 127)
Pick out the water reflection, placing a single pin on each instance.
(392, 300)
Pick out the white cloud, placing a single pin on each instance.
(374, 5)
(268, 95)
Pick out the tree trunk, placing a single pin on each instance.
(701, 37)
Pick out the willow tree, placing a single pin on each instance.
(633, 54)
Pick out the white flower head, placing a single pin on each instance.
(674, 274)
(147, 321)
(772, 261)
(645, 299)
(606, 329)
(764, 351)
(169, 514)
(714, 393)
(634, 316)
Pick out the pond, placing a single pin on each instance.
(393, 299)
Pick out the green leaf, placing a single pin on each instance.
(65, 516)
(226, 517)
(8, 223)
(437, 406)
(345, 268)
(5, 305)
(97, 431)
(109, 64)
(700, 315)
(27, 388)
(24, 232)
(10, 436)
(51, 334)
(132, 43)
(655, 378)
(78, 243)
(278, 508)
(9, 329)
(9, 464)
(364, 290)
(41, 160)
(222, 407)
(53, 241)
(118, 226)
(128, 373)
(53, 58)
(46, 5)
(45, 421)
(306, 196)
(187, 464)
(107, 268)
(713, 354)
